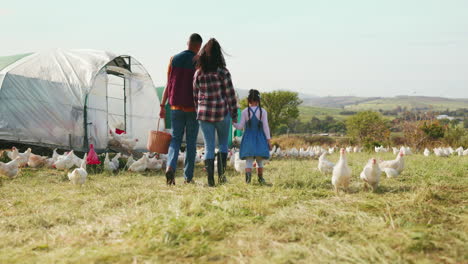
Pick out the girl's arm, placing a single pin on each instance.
(241, 124)
(266, 127)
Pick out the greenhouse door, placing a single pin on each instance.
(116, 103)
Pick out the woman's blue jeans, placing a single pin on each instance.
(222, 129)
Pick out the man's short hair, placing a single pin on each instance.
(195, 39)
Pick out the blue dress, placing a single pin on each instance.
(254, 142)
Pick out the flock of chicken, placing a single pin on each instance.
(341, 173)
(370, 175)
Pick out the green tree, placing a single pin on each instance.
(282, 107)
(368, 128)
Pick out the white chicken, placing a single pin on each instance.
(111, 165)
(130, 161)
(239, 164)
(79, 175)
(11, 168)
(49, 163)
(24, 157)
(154, 164)
(357, 149)
(426, 152)
(273, 150)
(324, 165)
(459, 151)
(390, 172)
(139, 165)
(77, 161)
(397, 164)
(441, 152)
(406, 150)
(294, 152)
(341, 174)
(124, 140)
(65, 162)
(232, 159)
(36, 161)
(181, 159)
(371, 174)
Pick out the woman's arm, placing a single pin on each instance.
(230, 94)
(266, 127)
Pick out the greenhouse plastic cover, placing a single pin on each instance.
(43, 98)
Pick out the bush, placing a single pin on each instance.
(397, 140)
(433, 130)
(456, 136)
(368, 127)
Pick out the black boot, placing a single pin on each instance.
(248, 177)
(222, 162)
(261, 180)
(170, 177)
(209, 166)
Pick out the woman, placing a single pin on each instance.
(215, 103)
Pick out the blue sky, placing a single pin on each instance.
(329, 47)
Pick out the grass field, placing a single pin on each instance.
(352, 103)
(420, 217)
(409, 102)
(306, 113)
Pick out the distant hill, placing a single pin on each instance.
(353, 103)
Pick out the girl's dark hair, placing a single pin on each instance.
(211, 57)
(254, 96)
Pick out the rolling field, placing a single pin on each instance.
(410, 102)
(306, 113)
(420, 217)
(352, 103)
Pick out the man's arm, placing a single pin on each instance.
(162, 112)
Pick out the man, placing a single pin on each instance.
(179, 91)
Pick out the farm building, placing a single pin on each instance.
(73, 98)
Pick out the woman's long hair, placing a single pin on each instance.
(211, 57)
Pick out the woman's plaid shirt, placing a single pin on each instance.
(214, 95)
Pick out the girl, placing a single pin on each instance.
(256, 140)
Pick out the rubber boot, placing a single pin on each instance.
(222, 162)
(170, 177)
(261, 180)
(248, 177)
(209, 166)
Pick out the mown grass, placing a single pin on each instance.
(420, 217)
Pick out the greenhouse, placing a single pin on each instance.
(73, 98)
